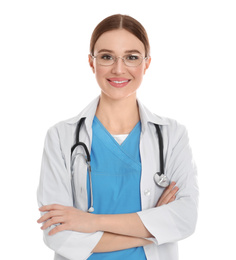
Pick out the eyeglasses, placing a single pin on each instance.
(130, 60)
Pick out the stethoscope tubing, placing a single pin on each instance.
(159, 177)
(77, 142)
(161, 149)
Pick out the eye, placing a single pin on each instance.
(132, 57)
(106, 57)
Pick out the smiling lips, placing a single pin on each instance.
(118, 82)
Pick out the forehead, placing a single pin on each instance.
(119, 41)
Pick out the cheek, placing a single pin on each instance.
(100, 72)
(138, 73)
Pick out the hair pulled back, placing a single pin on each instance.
(119, 21)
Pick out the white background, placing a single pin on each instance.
(45, 78)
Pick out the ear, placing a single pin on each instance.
(91, 60)
(147, 64)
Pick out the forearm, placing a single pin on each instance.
(131, 224)
(123, 224)
(113, 242)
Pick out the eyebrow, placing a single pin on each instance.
(110, 51)
(133, 51)
(105, 50)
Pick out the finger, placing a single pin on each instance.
(52, 221)
(49, 215)
(51, 207)
(170, 195)
(168, 189)
(166, 192)
(165, 198)
(58, 229)
(172, 199)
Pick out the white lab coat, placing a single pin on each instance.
(168, 224)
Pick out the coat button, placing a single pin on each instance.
(147, 192)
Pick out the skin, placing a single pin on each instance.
(118, 112)
(121, 231)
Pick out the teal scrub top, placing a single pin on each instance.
(116, 174)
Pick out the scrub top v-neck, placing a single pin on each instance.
(116, 174)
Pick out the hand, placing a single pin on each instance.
(68, 218)
(168, 195)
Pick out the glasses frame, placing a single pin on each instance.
(123, 58)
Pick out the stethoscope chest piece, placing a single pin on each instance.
(161, 180)
(159, 177)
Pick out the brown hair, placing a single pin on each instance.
(119, 21)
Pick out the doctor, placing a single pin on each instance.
(133, 218)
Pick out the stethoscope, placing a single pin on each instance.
(159, 177)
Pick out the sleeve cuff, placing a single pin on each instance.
(77, 246)
(160, 224)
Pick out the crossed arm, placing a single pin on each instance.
(121, 231)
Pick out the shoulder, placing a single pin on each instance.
(62, 133)
(172, 130)
(168, 125)
(88, 112)
(175, 133)
(173, 125)
(70, 124)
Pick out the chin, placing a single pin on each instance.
(118, 96)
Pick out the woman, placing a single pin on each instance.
(116, 211)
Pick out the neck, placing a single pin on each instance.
(118, 116)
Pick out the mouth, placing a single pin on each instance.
(118, 82)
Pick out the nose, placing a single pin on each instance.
(119, 66)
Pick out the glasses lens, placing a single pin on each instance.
(133, 60)
(105, 59)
